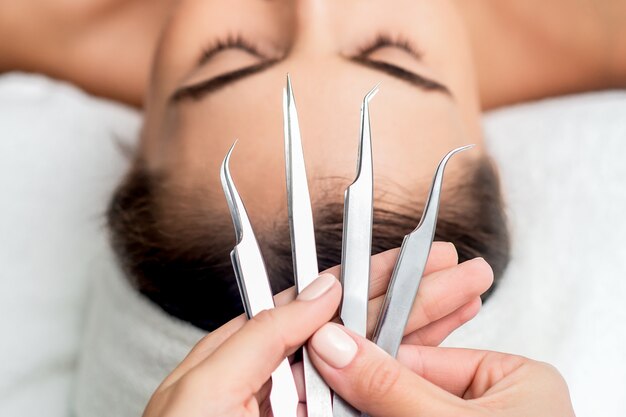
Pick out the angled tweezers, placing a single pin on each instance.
(303, 247)
(357, 243)
(409, 268)
(255, 289)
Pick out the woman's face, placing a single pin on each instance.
(221, 66)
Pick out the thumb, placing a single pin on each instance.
(246, 360)
(374, 382)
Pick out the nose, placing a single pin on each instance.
(312, 28)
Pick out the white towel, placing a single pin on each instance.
(59, 162)
(130, 347)
(562, 300)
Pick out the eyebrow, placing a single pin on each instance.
(200, 90)
(400, 73)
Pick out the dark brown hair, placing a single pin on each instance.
(176, 252)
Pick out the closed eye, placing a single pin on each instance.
(363, 58)
(230, 42)
(385, 40)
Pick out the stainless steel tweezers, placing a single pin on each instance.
(304, 252)
(255, 289)
(252, 277)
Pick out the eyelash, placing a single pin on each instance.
(232, 41)
(383, 40)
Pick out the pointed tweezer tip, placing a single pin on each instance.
(227, 181)
(453, 152)
(370, 95)
(226, 161)
(230, 192)
(288, 92)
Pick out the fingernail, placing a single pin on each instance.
(334, 346)
(317, 288)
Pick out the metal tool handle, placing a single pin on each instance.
(409, 268)
(357, 243)
(401, 294)
(303, 248)
(255, 290)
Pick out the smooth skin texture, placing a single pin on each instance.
(436, 382)
(488, 53)
(551, 48)
(223, 375)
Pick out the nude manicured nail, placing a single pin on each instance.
(317, 288)
(334, 346)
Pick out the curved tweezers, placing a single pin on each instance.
(254, 288)
(409, 268)
(358, 215)
(235, 205)
(357, 231)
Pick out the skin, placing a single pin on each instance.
(449, 297)
(427, 381)
(311, 43)
(573, 46)
(582, 39)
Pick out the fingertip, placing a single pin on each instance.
(450, 248)
(480, 270)
(442, 255)
(470, 310)
(334, 346)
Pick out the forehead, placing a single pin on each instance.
(340, 13)
(409, 134)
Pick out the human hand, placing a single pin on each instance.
(233, 379)
(438, 382)
(449, 296)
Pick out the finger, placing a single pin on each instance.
(462, 372)
(442, 255)
(209, 343)
(493, 381)
(441, 293)
(298, 375)
(246, 360)
(263, 398)
(435, 333)
(374, 382)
